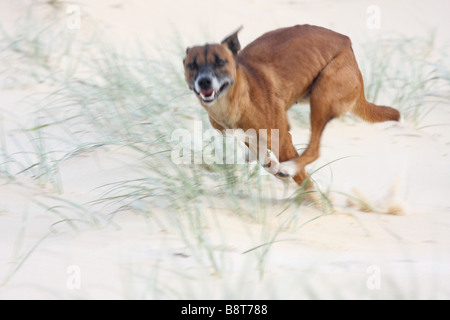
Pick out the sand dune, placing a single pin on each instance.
(387, 237)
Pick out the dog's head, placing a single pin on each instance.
(210, 70)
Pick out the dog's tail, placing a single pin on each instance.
(373, 113)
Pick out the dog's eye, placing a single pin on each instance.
(192, 65)
(220, 62)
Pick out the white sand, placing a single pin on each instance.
(395, 168)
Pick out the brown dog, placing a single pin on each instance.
(253, 88)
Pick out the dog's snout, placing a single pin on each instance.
(204, 83)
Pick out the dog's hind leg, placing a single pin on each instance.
(336, 91)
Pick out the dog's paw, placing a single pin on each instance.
(272, 158)
(271, 163)
(287, 169)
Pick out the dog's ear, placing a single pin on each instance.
(184, 59)
(232, 41)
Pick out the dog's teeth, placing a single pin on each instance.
(209, 98)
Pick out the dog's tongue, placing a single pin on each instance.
(207, 93)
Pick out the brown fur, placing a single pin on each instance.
(280, 68)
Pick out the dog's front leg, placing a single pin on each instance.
(271, 163)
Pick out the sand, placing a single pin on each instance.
(398, 169)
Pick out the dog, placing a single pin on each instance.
(254, 87)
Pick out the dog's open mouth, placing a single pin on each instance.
(209, 96)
